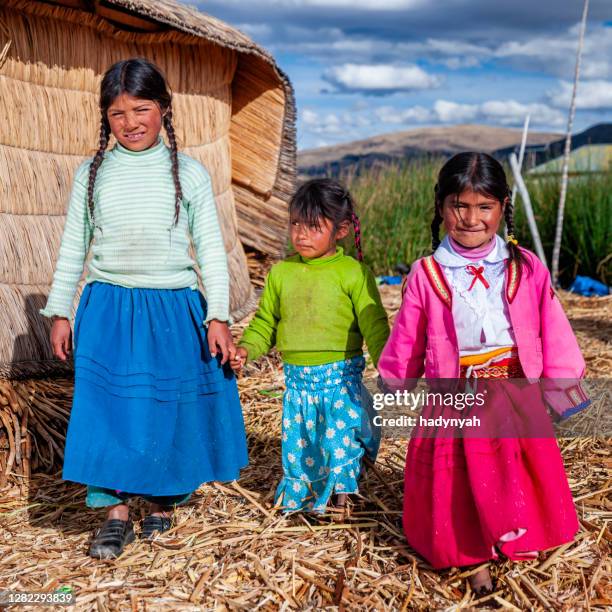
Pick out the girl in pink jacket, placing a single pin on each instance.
(482, 307)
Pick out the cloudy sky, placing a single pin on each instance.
(364, 67)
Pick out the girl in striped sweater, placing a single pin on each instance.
(156, 409)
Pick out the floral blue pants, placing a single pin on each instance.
(327, 429)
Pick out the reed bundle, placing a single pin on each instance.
(193, 64)
(22, 191)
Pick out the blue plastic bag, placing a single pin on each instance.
(389, 280)
(583, 285)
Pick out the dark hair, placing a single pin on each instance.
(140, 78)
(483, 174)
(326, 198)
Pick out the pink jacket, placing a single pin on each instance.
(423, 339)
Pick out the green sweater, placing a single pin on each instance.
(318, 311)
(135, 242)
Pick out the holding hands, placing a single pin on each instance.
(220, 340)
(239, 359)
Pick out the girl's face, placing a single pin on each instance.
(135, 122)
(470, 218)
(312, 241)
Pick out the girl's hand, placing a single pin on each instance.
(239, 360)
(61, 338)
(220, 340)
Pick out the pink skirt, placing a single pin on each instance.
(468, 499)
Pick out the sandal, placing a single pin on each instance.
(154, 524)
(110, 539)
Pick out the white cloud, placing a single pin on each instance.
(309, 117)
(595, 69)
(331, 123)
(257, 31)
(356, 120)
(455, 63)
(553, 54)
(414, 114)
(379, 78)
(556, 54)
(497, 112)
(454, 54)
(511, 112)
(328, 124)
(591, 95)
(451, 112)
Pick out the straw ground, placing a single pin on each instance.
(230, 549)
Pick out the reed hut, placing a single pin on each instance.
(234, 111)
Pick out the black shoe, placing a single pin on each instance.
(154, 524)
(110, 539)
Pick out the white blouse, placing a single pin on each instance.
(482, 320)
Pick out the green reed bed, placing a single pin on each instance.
(395, 203)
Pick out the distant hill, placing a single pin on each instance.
(397, 146)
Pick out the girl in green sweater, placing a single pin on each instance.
(317, 308)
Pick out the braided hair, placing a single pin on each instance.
(139, 78)
(167, 120)
(482, 174)
(327, 198)
(95, 164)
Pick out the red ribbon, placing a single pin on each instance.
(478, 275)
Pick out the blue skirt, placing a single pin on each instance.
(153, 413)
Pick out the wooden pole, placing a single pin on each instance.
(522, 188)
(566, 153)
(520, 163)
(521, 156)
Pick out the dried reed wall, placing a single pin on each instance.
(230, 112)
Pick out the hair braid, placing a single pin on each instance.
(95, 164)
(436, 222)
(513, 250)
(348, 198)
(357, 230)
(175, 166)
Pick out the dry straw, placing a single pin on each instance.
(21, 189)
(193, 64)
(28, 248)
(230, 549)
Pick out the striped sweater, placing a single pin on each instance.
(133, 238)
